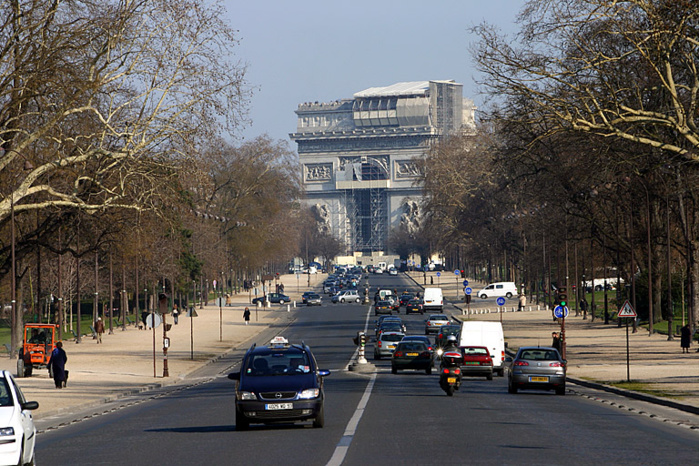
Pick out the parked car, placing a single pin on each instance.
(414, 306)
(393, 271)
(412, 355)
(383, 307)
(279, 383)
(496, 290)
(434, 322)
(17, 431)
(477, 362)
(346, 296)
(276, 298)
(386, 343)
(537, 368)
(314, 300)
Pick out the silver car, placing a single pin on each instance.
(314, 299)
(386, 344)
(537, 368)
(434, 322)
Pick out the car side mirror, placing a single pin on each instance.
(323, 372)
(234, 376)
(30, 405)
(508, 359)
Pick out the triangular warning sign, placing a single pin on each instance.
(627, 310)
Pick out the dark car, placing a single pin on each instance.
(440, 340)
(277, 298)
(412, 355)
(390, 326)
(414, 306)
(477, 362)
(405, 298)
(537, 368)
(279, 383)
(422, 338)
(383, 307)
(305, 295)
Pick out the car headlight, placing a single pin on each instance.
(6, 431)
(309, 393)
(246, 396)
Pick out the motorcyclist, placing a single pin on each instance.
(451, 344)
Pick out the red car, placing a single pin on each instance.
(477, 362)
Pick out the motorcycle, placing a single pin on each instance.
(450, 371)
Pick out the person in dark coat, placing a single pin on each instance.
(246, 315)
(685, 338)
(57, 365)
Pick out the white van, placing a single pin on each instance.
(496, 290)
(433, 299)
(488, 334)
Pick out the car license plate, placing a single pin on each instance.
(451, 379)
(413, 354)
(538, 379)
(274, 406)
(391, 346)
(470, 363)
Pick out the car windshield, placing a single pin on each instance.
(539, 355)
(412, 346)
(392, 337)
(5, 394)
(278, 363)
(438, 318)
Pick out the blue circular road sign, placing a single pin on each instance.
(465, 282)
(560, 312)
(468, 290)
(500, 301)
(457, 272)
(439, 274)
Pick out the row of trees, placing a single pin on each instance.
(587, 162)
(114, 160)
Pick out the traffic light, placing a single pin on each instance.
(362, 339)
(162, 303)
(563, 296)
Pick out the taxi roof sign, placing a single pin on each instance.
(627, 310)
(279, 342)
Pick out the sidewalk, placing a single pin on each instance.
(124, 364)
(595, 352)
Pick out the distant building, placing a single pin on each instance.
(358, 156)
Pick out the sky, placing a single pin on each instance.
(324, 50)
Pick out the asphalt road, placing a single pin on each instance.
(406, 418)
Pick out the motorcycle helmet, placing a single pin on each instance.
(451, 339)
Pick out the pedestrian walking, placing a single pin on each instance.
(583, 307)
(99, 330)
(281, 288)
(522, 302)
(57, 365)
(685, 338)
(246, 315)
(175, 313)
(556, 343)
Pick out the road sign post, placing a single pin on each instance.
(500, 302)
(627, 311)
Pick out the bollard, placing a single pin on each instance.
(294, 304)
(288, 307)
